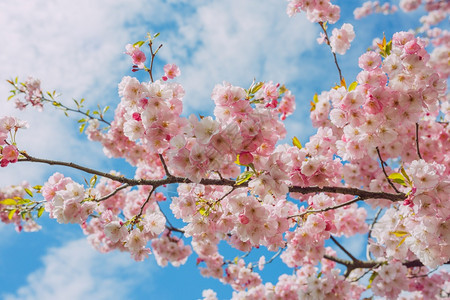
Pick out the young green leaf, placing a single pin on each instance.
(296, 142)
(8, 202)
(11, 213)
(244, 177)
(397, 178)
(30, 193)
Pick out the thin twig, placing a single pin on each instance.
(327, 208)
(417, 141)
(153, 54)
(123, 186)
(334, 54)
(145, 203)
(375, 219)
(343, 249)
(165, 166)
(384, 171)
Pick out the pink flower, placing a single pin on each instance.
(137, 55)
(171, 71)
(10, 153)
(341, 38)
(245, 158)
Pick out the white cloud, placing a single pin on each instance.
(236, 41)
(76, 271)
(75, 47)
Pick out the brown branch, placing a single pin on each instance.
(123, 186)
(369, 235)
(165, 166)
(359, 264)
(417, 141)
(334, 54)
(326, 208)
(153, 54)
(145, 203)
(363, 194)
(343, 249)
(384, 171)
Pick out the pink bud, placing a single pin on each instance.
(245, 158)
(243, 219)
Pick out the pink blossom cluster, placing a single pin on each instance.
(33, 94)
(239, 218)
(316, 10)
(109, 231)
(169, 248)
(390, 280)
(137, 56)
(341, 38)
(305, 284)
(370, 7)
(423, 226)
(240, 276)
(9, 126)
(64, 200)
(16, 192)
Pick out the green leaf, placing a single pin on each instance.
(296, 142)
(372, 277)
(8, 202)
(256, 87)
(93, 180)
(203, 211)
(139, 43)
(82, 127)
(11, 213)
(282, 90)
(397, 178)
(81, 120)
(401, 242)
(244, 177)
(12, 96)
(399, 233)
(28, 192)
(352, 86)
(37, 188)
(402, 170)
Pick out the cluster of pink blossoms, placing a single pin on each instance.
(316, 10)
(370, 7)
(33, 94)
(65, 200)
(305, 284)
(8, 127)
(341, 38)
(16, 193)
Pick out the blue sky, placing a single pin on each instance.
(77, 48)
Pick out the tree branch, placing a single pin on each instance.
(363, 194)
(334, 54)
(327, 208)
(417, 141)
(384, 171)
(123, 186)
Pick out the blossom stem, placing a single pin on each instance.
(384, 171)
(123, 186)
(417, 140)
(334, 54)
(327, 208)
